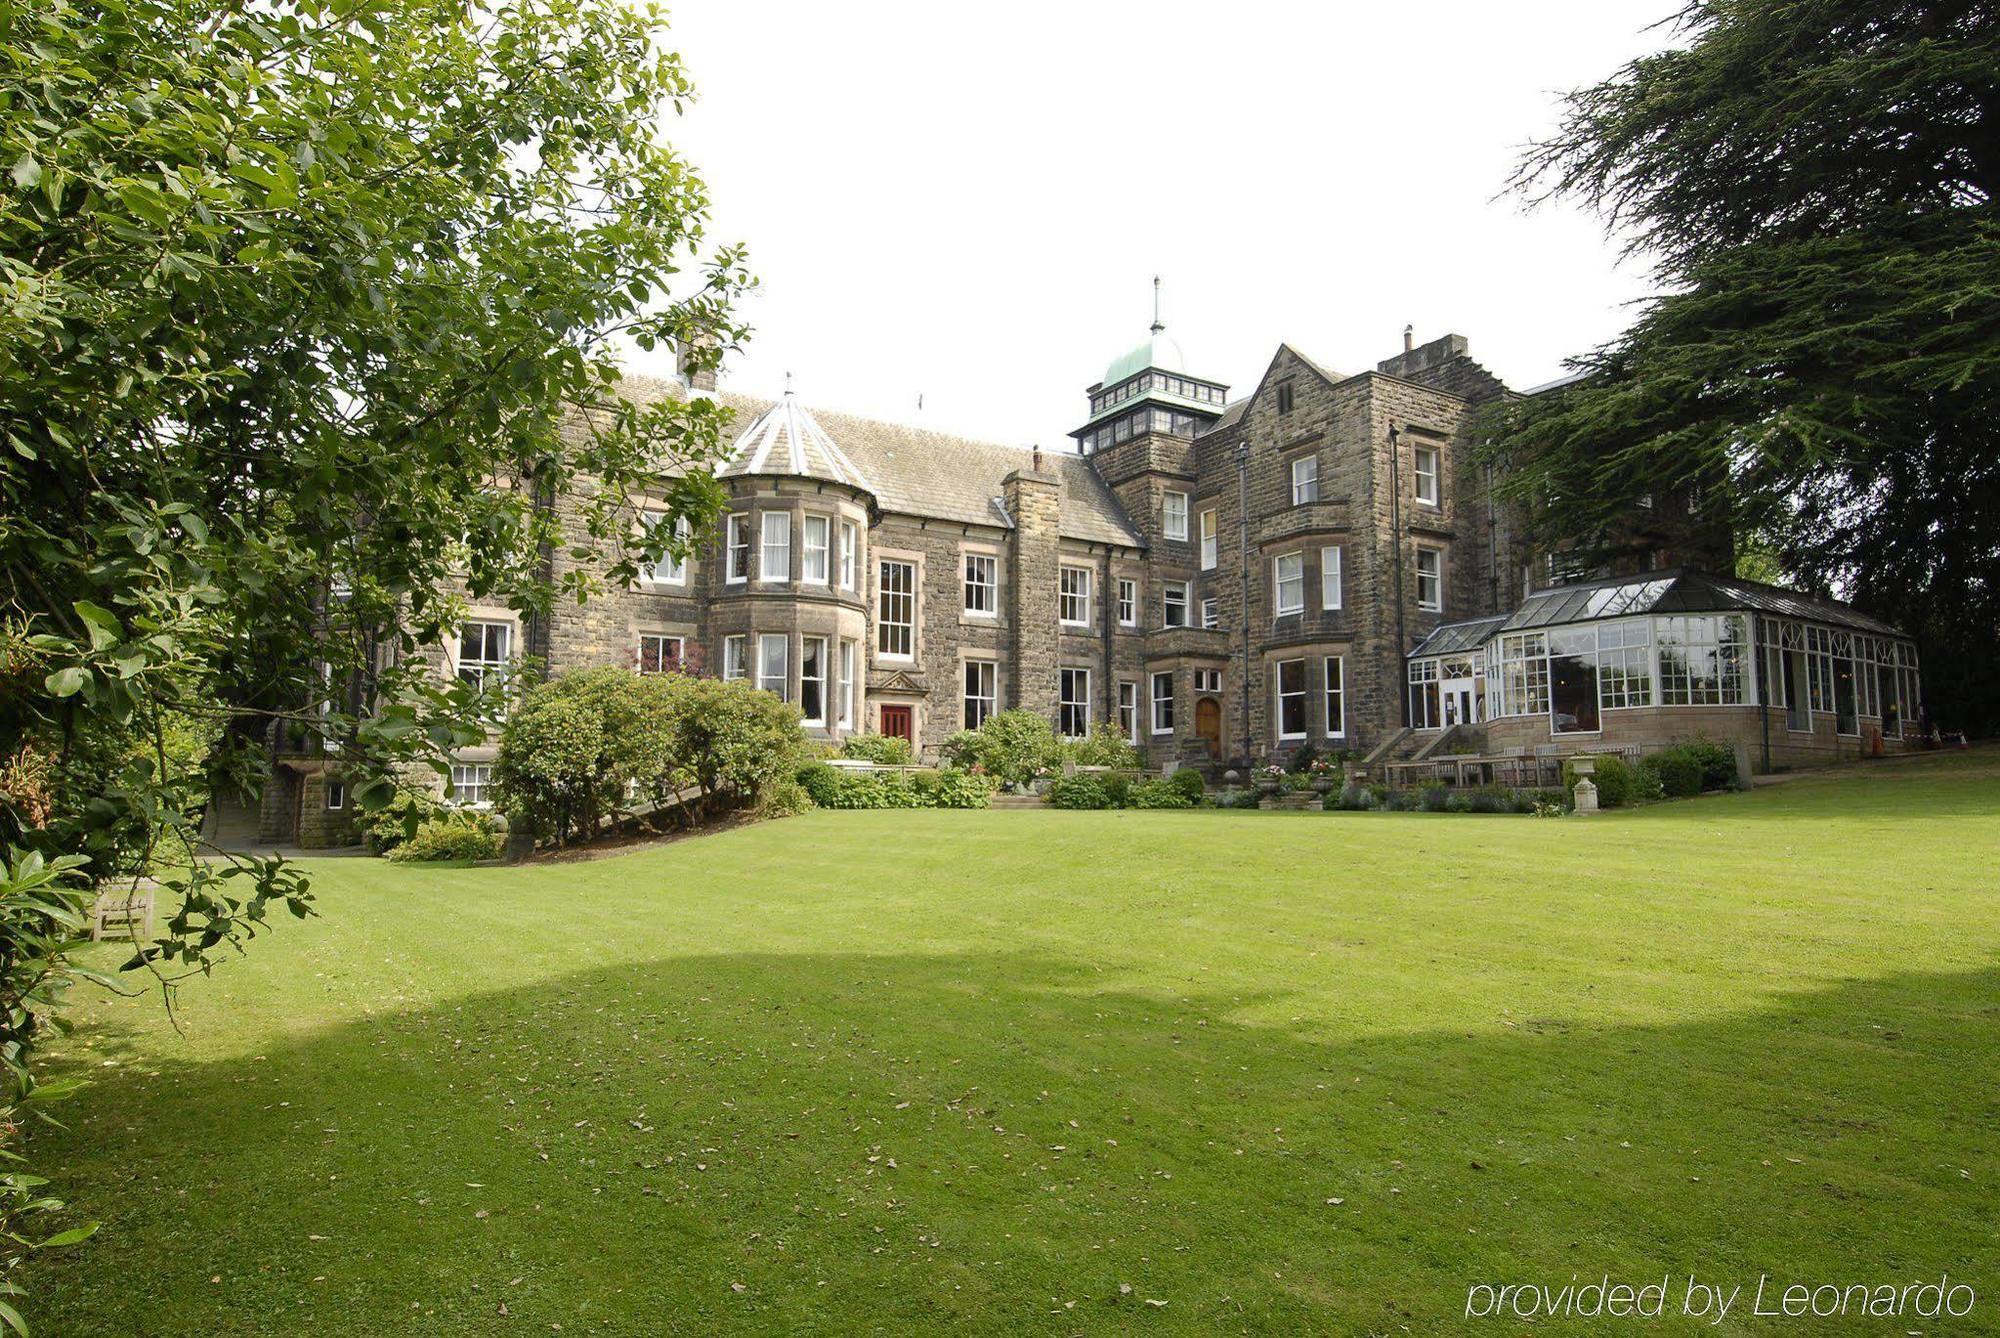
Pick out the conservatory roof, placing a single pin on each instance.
(1681, 590)
(1458, 638)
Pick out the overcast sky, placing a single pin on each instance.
(968, 203)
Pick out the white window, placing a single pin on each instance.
(1427, 475)
(812, 680)
(669, 570)
(982, 584)
(850, 553)
(1291, 699)
(1208, 680)
(775, 564)
(1329, 578)
(982, 679)
(774, 664)
(1210, 617)
(336, 795)
(818, 536)
(1173, 603)
(1128, 603)
(1163, 703)
(1336, 696)
(896, 609)
(1073, 703)
(847, 685)
(659, 654)
(483, 650)
(1208, 533)
(1305, 480)
(471, 784)
(1173, 515)
(1073, 608)
(734, 651)
(1288, 583)
(736, 542)
(1430, 580)
(1128, 710)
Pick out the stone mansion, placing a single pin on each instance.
(1316, 561)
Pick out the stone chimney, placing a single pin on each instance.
(694, 379)
(1034, 503)
(1444, 363)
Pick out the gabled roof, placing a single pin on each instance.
(917, 472)
(1682, 590)
(1458, 638)
(786, 440)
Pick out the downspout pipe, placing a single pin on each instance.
(1396, 537)
(1243, 565)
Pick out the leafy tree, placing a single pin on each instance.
(1816, 181)
(310, 326)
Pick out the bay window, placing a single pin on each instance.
(813, 567)
(1288, 583)
(1291, 688)
(775, 562)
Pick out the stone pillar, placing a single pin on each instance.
(1034, 501)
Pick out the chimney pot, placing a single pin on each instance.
(1409, 337)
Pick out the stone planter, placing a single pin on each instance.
(1268, 784)
(1322, 784)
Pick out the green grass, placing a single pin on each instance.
(904, 1071)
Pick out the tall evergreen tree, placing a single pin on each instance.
(1816, 182)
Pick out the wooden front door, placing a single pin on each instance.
(896, 723)
(1208, 725)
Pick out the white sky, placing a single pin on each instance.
(969, 202)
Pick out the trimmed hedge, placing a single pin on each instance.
(1080, 792)
(453, 836)
(1161, 794)
(883, 749)
(838, 787)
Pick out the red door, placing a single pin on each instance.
(896, 723)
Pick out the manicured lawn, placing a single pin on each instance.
(982, 1071)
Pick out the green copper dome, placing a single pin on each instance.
(1158, 353)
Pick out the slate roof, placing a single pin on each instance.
(1683, 590)
(914, 471)
(1458, 638)
(786, 440)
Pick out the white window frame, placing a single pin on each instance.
(1330, 593)
(988, 567)
(816, 558)
(774, 542)
(981, 688)
(1305, 479)
(1435, 604)
(1128, 710)
(1168, 591)
(735, 658)
(1174, 515)
(1278, 696)
(1428, 479)
(1280, 608)
(1163, 719)
(639, 654)
(1128, 602)
(485, 671)
(1077, 600)
(1211, 613)
(885, 624)
(474, 776)
(783, 642)
(806, 657)
(736, 548)
(669, 570)
(1210, 523)
(1072, 706)
(1333, 685)
(336, 795)
(848, 657)
(850, 553)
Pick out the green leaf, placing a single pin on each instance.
(27, 171)
(67, 682)
(105, 629)
(13, 1319)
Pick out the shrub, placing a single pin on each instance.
(954, 788)
(1159, 794)
(1079, 792)
(883, 749)
(1117, 789)
(1646, 787)
(1491, 799)
(1613, 780)
(1677, 770)
(1301, 759)
(1240, 799)
(1355, 797)
(1012, 746)
(836, 787)
(821, 783)
(461, 835)
(1433, 798)
(1458, 801)
(385, 828)
(1189, 782)
(1717, 762)
(1104, 747)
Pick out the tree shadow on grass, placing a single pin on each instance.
(1003, 1142)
